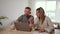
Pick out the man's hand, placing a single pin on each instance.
(18, 21)
(30, 25)
(31, 20)
(42, 30)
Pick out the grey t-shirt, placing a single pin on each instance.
(24, 19)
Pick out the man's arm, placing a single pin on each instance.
(31, 22)
(17, 21)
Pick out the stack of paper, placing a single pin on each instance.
(36, 32)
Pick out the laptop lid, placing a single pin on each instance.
(22, 26)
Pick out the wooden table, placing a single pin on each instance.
(15, 32)
(20, 32)
(7, 31)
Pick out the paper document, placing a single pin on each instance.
(36, 32)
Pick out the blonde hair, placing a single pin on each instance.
(43, 13)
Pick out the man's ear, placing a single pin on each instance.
(30, 12)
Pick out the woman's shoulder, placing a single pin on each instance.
(47, 18)
(36, 20)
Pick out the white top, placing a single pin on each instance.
(47, 24)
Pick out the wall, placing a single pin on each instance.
(32, 4)
(12, 9)
(58, 12)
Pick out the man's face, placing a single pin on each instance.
(27, 11)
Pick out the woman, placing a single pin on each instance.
(42, 22)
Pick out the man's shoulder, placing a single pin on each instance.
(31, 16)
(21, 15)
(24, 15)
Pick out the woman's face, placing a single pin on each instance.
(39, 13)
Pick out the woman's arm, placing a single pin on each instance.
(50, 25)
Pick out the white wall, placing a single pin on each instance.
(12, 9)
(58, 12)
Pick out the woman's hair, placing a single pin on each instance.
(38, 9)
(43, 13)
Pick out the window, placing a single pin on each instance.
(49, 7)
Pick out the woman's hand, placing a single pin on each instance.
(41, 30)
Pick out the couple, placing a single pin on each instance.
(41, 22)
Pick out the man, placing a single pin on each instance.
(26, 17)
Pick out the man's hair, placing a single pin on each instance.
(28, 8)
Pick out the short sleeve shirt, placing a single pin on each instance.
(24, 19)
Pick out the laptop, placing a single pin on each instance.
(22, 27)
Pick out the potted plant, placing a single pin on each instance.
(2, 17)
